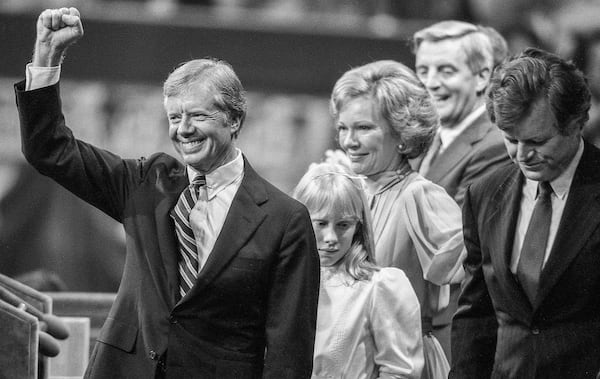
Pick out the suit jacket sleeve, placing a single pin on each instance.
(474, 327)
(97, 176)
(489, 156)
(293, 298)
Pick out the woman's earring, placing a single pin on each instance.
(401, 148)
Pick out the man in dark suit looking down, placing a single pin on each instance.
(529, 306)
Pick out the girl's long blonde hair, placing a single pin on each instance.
(330, 187)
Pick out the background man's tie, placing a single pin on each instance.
(534, 244)
(431, 154)
(188, 253)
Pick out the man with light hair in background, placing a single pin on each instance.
(454, 61)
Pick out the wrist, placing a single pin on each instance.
(45, 55)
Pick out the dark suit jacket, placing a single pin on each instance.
(258, 289)
(478, 150)
(496, 331)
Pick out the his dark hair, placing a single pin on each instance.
(532, 75)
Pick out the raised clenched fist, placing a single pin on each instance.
(57, 29)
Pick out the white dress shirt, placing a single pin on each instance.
(560, 191)
(38, 77)
(207, 217)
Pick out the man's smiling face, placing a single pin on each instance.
(200, 132)
(442, 68)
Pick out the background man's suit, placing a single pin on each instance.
(262, 272)
(478, 150)
(475, 152)
(559, 335)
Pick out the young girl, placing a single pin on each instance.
(368, 322)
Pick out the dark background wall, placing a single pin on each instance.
(301, 56)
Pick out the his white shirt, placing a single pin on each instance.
(560, 191)
(207, 218)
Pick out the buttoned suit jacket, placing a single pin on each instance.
(252, 310)
(496, 331)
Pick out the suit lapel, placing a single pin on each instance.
(244, 217)
(502, 225)
(165, 233)
(458, 149)
(580, 218)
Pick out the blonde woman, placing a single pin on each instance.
(383, 117)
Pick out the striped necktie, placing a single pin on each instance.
(188, 253)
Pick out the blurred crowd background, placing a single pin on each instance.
(288, 54)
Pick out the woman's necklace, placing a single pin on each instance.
(398, 176)
(403, 171)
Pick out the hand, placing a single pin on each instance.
(51, 329)
(57, 29)
(47, 344)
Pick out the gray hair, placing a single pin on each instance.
(212, 73)
(499, 45)
(473, 40)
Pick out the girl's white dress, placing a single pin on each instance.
(368, 328)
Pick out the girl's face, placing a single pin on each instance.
(334, 233)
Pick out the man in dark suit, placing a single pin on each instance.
(529, 307)
(454, 60)
(222, 272)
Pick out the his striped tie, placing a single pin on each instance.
(188, 253)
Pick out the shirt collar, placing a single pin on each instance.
(560, 185)
(221, 177)
(447, 135)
